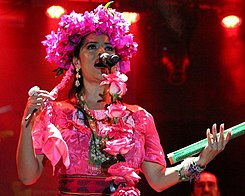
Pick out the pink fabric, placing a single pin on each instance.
(66, 142)
(55, 147)
(153, 150)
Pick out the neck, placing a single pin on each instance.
(96, 96)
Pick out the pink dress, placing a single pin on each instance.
(65, 141)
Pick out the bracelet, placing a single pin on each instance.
(195, 170)
(182, 177)
(188, 170)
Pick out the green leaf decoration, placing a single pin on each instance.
(108, 4)
(115, 120)
(59, 71)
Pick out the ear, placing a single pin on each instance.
(76, 62)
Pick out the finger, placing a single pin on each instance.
(228, 136)
(221, 132)
(42, 91)
(40, 101)
(209, 137)
(214, 132)
(36, 102)
(46, 96)
(221, 137)
(42, 96)
(31, 108)
(38, 92)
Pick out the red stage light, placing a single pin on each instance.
(231, 21)
(55, 11)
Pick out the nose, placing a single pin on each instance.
(101, 50)
(206, 188)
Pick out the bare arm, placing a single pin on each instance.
(158, 178)
(30, 165)
(161, 179)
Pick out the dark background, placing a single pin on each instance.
(184, 100)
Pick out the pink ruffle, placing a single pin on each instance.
(55, 147)
(47, 138)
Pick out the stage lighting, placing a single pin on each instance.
(231, 16)
(55, 11)
(231, 21)
(131, 17)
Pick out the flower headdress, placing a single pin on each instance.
(103, 20)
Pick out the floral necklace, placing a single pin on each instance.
(114, 139)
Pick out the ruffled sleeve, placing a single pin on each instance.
(47, 139)
(153, 148)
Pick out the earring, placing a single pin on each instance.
(77, 83)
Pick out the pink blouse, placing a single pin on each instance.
(66, 139)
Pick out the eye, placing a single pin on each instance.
(91, 46)
(201, 185)
(211, 184)
(109, 48)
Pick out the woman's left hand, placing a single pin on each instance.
(216, 144)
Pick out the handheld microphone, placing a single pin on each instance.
(33, 91)
(107, 60)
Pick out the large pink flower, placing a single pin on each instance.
(121, 172)
(126, 191)
(117, 83)
(118, 88)
(116, 110)
(119, 146)
(116, 76)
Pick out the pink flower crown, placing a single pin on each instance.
(60, 45)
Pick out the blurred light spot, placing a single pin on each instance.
(231, 21)
(55, 11)
(131, 17)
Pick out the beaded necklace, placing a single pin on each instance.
(91, 118)
(97, 157)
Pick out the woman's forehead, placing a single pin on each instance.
(92, 37)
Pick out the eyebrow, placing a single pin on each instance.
(92, 42)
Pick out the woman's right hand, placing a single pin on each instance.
(35, 103)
